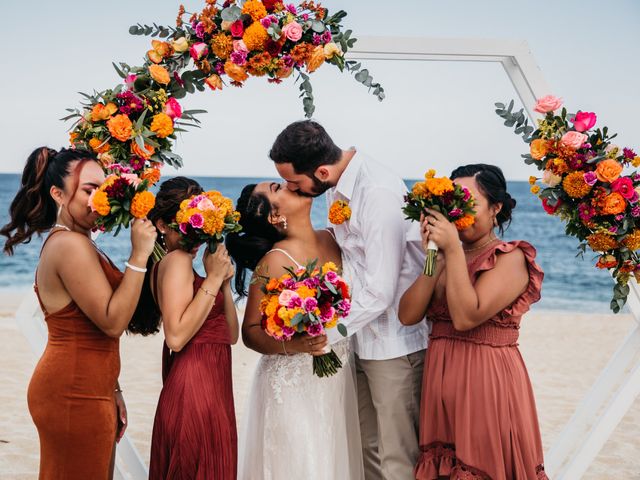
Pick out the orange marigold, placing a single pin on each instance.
(235, 72)
(222, 45)
(575, 186)
(162, 125)
(632, 241)
(316, 59)
(613, 204)
(100, 202)
(465, 222)
(72, 137)
(99, 146)
(301, 52)
(255, 9)
(151, 175)
(101, 112)
(213, 222)
(601, 242)
(439, 186)
(120, 127)
(255, 36)
(142, 204)
(339, 212)
(159, 74)
(420, 189)
(145, 152)
(259, 64)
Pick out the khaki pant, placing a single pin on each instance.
(389, 408)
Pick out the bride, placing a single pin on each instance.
(296, 425)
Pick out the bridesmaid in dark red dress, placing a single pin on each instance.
(194, 433)
(478, 417)
(74, 397)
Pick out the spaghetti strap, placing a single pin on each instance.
(287, 254)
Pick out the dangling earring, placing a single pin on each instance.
(162, 242)
(284, 222)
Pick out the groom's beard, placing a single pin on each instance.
(319, 187)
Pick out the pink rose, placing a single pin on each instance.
(573, 139)
(624, 186)
(237, 29)
(286, 296)
(584, 121)
(205, 205)
(194, 201)
(196, 220)
(173, 108)
(198, 51)
(240, 46)
(293, 31)
(548, 104)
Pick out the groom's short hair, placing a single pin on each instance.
(306, 145)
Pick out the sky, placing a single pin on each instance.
(436, 114)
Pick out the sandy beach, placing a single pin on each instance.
(564, 354)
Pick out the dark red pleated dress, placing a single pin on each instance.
(194, 432)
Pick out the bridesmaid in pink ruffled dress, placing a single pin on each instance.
(478, 416)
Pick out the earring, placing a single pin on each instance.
(162, 242)
(284, 222)
(60, 210)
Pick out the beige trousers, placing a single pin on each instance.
(389, 408)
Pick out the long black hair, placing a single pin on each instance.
(492, 183)
(256, 238)
(33, 210)
(146, 319)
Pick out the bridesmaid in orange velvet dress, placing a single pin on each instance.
(194, 432)
(74, 396)
(478, 416)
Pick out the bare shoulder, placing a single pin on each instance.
(273, 264)
(65, 245)
(329, 244)
(176, 261)
(513, 261)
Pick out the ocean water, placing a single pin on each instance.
(570, 284)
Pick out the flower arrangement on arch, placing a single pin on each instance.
(442, 194)
(583, 183)
(307, 301)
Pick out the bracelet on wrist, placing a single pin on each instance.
(135, 268)
(209, 292)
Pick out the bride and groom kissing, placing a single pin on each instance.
(363, 421)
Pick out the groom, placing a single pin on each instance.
(382, 256)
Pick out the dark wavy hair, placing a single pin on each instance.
(492, 183)
(33, 210)
(307, 146)
(146, 319)
(257, 237)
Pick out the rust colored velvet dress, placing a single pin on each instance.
(194, 432)
(478, 416)
(71, 393)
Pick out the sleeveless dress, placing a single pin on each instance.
(478, 416)
(194, 432)
(71, 393)
(300, 426)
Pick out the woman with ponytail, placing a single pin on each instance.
(74, 396)
(194, 432)
(478, 416)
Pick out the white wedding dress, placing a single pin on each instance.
(300, 426)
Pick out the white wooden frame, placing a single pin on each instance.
(619, 384)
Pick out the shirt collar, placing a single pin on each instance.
(347, 181)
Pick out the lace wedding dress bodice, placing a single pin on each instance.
(298, 425)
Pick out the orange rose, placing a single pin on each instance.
(235, 72)
(120, 127)
(159, 51)
(142, 204)
(316, 59)
(539, 148)
(99, 146)
(103, 112)
(162, 125)
(214, 82)
(145, 153)
(159, 74)
(608, 170)
(613, 204)
(72, 137)
(151, 175)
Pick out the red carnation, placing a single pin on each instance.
(550, 209)
(273, 48)
(270, 5)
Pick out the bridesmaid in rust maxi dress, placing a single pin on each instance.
(73, 396)
(194, 432)
(478, 415)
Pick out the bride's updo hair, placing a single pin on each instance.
(257, 237)
(492, 183)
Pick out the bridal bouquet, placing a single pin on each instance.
(205, 218)
(454, 201)
(123, 196)
(583, 183)
(307, 301)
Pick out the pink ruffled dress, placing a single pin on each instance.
(478, 415)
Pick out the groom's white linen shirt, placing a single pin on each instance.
(382, 256)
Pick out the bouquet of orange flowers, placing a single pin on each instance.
(123, 196)
(583, 183)
(307, 301)
(205, 218)
(454, 201)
